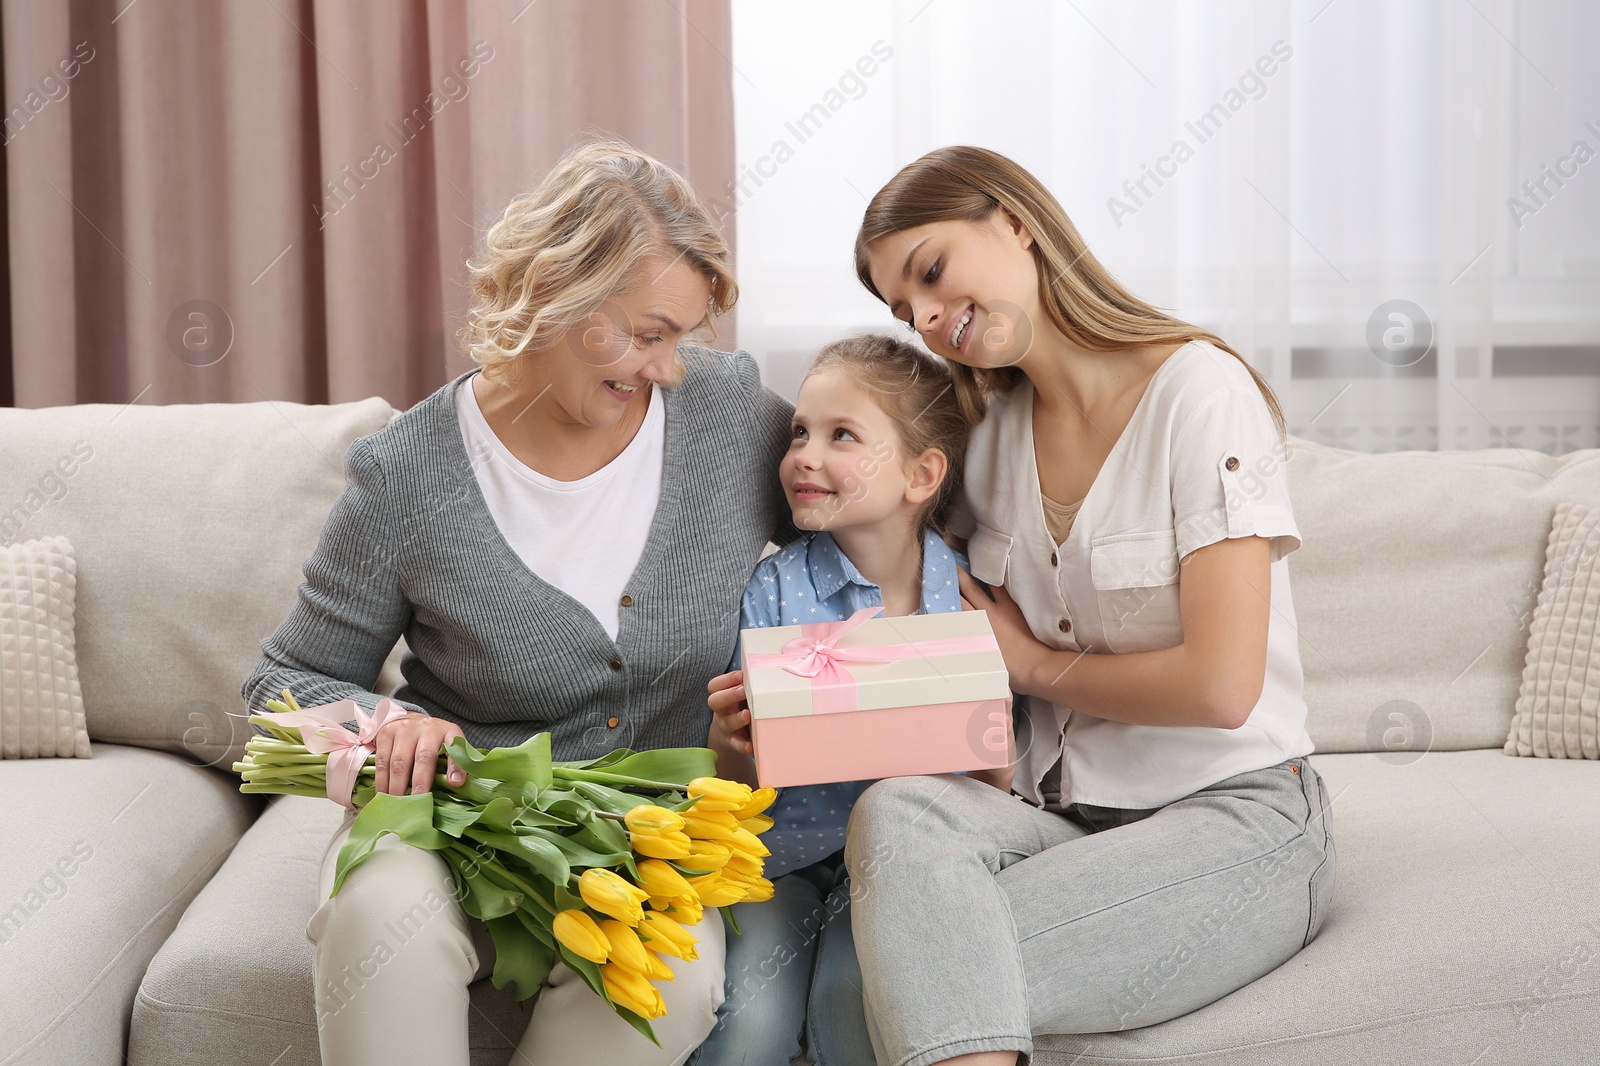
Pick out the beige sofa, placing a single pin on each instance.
(1465, 927)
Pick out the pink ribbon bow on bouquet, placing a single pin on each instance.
(322, 731)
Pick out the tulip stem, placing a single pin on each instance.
(600, 777)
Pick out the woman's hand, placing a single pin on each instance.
(408, 754)
(1022, 650)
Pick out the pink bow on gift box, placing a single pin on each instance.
(322, 731)
(816, 654)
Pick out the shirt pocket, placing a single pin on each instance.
(989, 552)
(1135, 578)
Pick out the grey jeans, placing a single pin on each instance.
(981, 921)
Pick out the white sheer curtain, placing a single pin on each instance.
(1281, 174)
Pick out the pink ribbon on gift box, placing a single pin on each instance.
(322, 731)
(816, 654)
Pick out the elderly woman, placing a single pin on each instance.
(562, 535)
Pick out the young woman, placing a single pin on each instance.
(1129, 520)
(563, 537)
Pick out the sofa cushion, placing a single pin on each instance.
(1415, 585)
(190, 524)
(1558, 709)
(1464, 928)
(102, 855)
(41, 702)
(237, 970)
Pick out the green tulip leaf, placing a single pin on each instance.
(607, 798)
(538, 851)
(568, 900)
(519, 958)
(408, 817)
(453, 818)
(616, 755)
(537, 921)
(679, 765)
(528, 762)
(480, 896)
(582, 853)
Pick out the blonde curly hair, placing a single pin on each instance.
(560, 252)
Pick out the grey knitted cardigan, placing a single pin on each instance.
(411, 548)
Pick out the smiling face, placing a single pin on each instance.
(597, 369)
(844, 468)
(969, 289)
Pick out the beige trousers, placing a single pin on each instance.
(395, 953)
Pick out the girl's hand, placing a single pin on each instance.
(730, 714)
(407, 752)
(1022, 650)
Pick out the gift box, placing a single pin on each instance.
(876, 697)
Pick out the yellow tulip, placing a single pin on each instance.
(685, 910)
(660, 879)
(657, 832)
(756, 823)
(626, 949)
(658, 970)
(760, 800)
(670, 845)
(747, 843)
(715, 794)
(706, 855)
(760, 892)
(649, 818)
(630, 989)
(715, 890)
(725, 895)
(579, 934)
(661, 933)
(710, 825)
(744, 867)
(612, 896)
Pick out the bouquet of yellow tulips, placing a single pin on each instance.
(600, 864)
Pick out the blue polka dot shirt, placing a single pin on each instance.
(811, 580)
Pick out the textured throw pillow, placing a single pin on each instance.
(1558, 709)
(41, 706)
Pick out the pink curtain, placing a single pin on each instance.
(240, 200)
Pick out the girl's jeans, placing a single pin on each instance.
(793, 969)
(981, 920)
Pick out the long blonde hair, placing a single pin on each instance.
(559, 253)
(1081, 298)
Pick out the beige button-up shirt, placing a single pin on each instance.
(1199, 461)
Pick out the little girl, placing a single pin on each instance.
(874, 463)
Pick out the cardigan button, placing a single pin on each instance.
(627, 601)
(1054, 561)
(1065, 625)
(616, 664)
(1232, 463)
(611, 723)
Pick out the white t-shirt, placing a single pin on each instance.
(584, 537)
(1199, 461)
